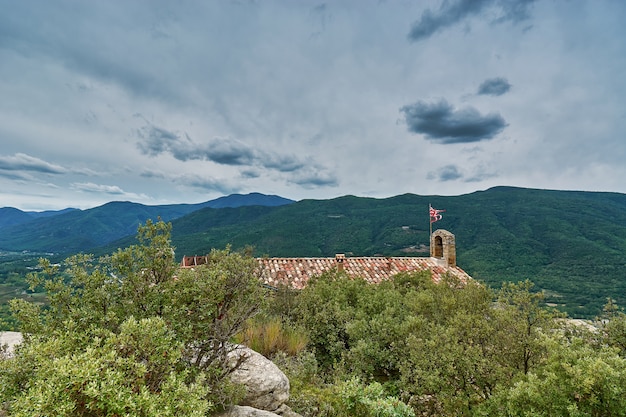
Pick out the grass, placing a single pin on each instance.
(268, 336)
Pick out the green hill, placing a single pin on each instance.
(571, 244)
(70, 231)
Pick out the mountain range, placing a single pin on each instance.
(72, 230)
(571, 244)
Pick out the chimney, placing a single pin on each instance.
(339, 259)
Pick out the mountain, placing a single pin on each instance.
(10, 216)
(252, 199)
(72, 231)
(49, 213)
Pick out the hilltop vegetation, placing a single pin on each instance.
(131, 334)
(123, 335)
(448, 350)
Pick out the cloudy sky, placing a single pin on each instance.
(160, 102)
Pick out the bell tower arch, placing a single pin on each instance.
(443, 246)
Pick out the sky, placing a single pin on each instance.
(163, 102)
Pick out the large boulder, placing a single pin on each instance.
(245, 411)
(267, 387)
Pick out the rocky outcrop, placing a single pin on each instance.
(246, 411)
(267, 387)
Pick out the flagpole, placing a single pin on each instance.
(430, 234)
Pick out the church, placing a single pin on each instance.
(296, 272)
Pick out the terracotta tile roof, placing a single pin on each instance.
(295, 272)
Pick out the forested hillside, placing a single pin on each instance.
(72, 231)
(570, 244)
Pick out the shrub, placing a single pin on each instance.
(138, 293)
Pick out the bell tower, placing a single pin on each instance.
(443, 246)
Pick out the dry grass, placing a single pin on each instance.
(269, 336)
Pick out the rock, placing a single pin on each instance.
(10, 339)
(285, 411)
(267, 387)
(245, 411)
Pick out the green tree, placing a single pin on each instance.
(525, 318)
(325, 308)
(613, 322)
(575, 380)
(197, 311)
(452, 360)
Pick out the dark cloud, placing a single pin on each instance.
(250, 173)
(315, 177)
(441, 123)
(221, 151)
(152, 174)
(14, 176)
(23, 162)
(445, 173)
(208, 184)
(282, 163)
(156, 141)
(494, 86)
(453, 12)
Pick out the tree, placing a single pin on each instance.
(525, 318)
(93, 304)
(452, 359)
(575, 380)
(614, 326)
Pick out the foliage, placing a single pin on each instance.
(13, 268)
(184, 320)
(614, 326)
(527, 319)
(353, 397)
(443, 348)
(575, 381)
(130, 373)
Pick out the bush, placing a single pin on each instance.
(131, 373)
(134, 320)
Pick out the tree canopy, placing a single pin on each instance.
(130, 333)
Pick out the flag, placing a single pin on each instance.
(434, 214)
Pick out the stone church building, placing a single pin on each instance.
(296, 272)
